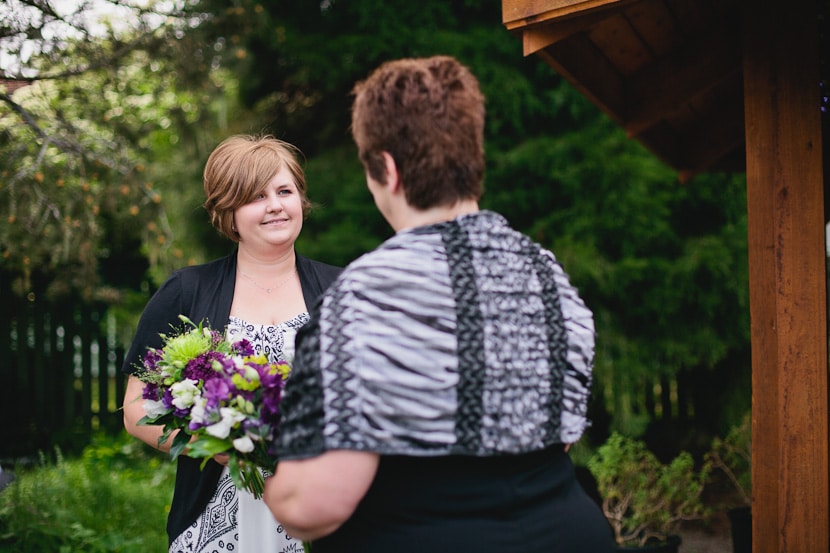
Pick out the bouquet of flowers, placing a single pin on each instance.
(221, 398)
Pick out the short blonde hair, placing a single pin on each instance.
(239, 168)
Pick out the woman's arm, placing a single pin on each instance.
(134, 410)
(312, 497)
(160, 315)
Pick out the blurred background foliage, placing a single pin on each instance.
(101, 157)
(112, 499)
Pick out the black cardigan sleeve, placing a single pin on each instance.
(160, 316)
(203, 293)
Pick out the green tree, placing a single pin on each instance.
(73, 194)
(662, 264)
(297, 63)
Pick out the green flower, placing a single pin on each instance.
(186, 346)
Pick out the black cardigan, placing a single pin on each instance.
(203, 293)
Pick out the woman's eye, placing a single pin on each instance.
(285, 192)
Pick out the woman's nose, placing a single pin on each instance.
(274, 202)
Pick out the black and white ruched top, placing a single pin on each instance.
(463, 337)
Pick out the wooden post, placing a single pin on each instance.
(787, 277)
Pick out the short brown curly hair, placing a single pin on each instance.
(239, 168)
(428, 114)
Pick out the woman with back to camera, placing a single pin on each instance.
(439, 382)
(256, 196)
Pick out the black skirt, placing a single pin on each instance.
(528, 503)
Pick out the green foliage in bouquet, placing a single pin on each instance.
(643, 499)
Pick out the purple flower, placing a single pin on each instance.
(216, 337)
(167, 398)
(217, 390)
(271, 398)
(243, 347)
(151, 359)
(201, 367)
(150, 391)
(270, 378)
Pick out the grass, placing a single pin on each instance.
(113, 498)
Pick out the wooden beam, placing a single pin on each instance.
(541, 36)
(519, 14)
(663, 87)
(622, 45)
(588, 71)
(655, 23)
(713, 136)
(550, 31)
(785, 182)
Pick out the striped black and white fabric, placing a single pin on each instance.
(463, 337)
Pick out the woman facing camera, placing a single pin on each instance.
(256, 197)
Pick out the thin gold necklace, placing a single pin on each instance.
(268, 289)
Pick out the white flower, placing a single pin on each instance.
(154, 409)
(243, 444)
(197, 413)
(251, 374)
(230, 417)
(184, 393)
(167, 370)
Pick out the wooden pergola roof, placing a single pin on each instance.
(668, 72)
(731, 85)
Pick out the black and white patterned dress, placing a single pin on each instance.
(233, 520)
(461, 353)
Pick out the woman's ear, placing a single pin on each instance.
(392, 177)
